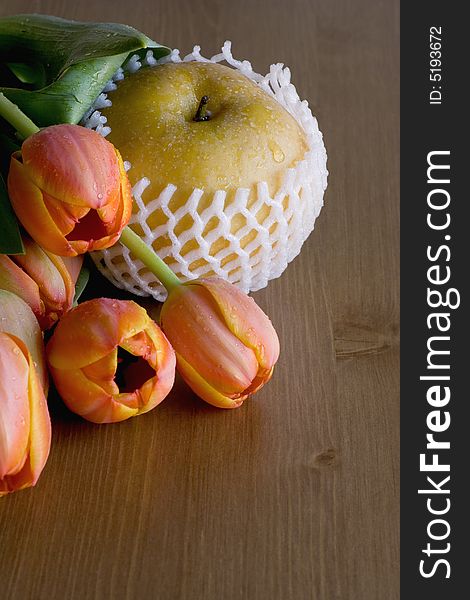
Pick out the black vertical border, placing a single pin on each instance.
(425, 128)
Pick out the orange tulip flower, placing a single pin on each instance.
(69, 189)
(42, 279)
(89, 371)
(25, 428)
(226, 347)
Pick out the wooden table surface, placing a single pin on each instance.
(295, 495)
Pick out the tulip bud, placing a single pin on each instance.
(95, 380)
(226, 347)
(69, 189)
(25, 428)
(43, 280)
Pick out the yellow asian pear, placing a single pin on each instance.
(241, 136)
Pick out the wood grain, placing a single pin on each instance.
(295, 495)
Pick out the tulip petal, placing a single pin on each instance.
(88, 399)
(17, 319)
(197, 331)
(68, 269)
(126, 192)
(39, 431)
(40, 434)
(245, 319)
(102, 243)
(116, 219)
(65, 216)
(27, 201)
(102, 228)
(14, 406)
(76, 344)
(102, 372)
(73, 264)
(69, 161)
(15, 280)
(153, 346)
(142, 345)
(53, 279)
(202, 389)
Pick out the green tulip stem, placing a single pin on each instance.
(17, 119)
(150, 259)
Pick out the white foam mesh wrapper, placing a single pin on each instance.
(278, 238)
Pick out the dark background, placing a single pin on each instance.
(296, 494)
(426, 128)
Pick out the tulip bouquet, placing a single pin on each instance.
(108, 359)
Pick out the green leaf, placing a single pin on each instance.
(81, 284)
(67, 99)
(75, 60)
(10, 238)
(33, 74)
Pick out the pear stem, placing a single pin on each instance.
(201, 110)
(23, 124)
(11, 113)
(150, 259)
